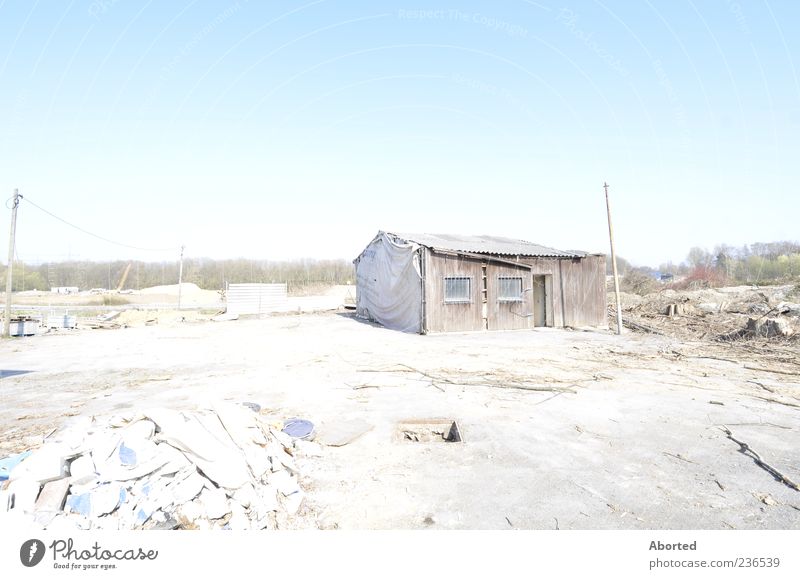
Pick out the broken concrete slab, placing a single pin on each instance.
(47, 464)
(292, 502)
(73, 434)
(142, 514)
(215, 503)
(139, 430)
(176, 461)
(24, 493)
(53, 496)
(8, 463)
(204, 442)
(80, 504)
(267, 500)
(286, 441)
(187, 489)
(130, 463)
(241, 425)
(246, 496)
(238, 520)
(127, 456)
(106, 498)
(81, 470)
(102, 445)
(85, 487)
(284, 482)
(283, 461)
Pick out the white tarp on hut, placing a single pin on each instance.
(389, 289)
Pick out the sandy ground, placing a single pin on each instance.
(635, 444)
(192, 296)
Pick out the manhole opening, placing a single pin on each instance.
(431, 430)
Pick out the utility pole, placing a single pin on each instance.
(180, 278)
(11, 239)
(613, 262)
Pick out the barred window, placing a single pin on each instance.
(457, 290)
(509, 289)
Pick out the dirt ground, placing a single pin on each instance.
(561, 429)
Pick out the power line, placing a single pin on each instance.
(82, 230)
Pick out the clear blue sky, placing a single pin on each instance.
(289, 129)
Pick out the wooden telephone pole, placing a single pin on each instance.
(180, 278)
(11, 239)
(613, 262)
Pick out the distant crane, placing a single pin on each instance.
(124, 277)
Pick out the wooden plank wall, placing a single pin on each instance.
(509, 315)
(442, 317)
(576, 293)
(583, 286)
(577, 290)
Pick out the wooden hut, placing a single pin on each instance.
(453, 283)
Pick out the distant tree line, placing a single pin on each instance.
(755, 263)
(773, 262)
(206, 273)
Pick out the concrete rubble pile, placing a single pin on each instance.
(225, 467)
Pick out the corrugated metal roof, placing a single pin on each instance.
(485, 244)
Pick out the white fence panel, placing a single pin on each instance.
(256, 298)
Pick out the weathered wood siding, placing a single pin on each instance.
(578, 293)
(574, 295)
(548, 269)
(583, 287)
(504, 315)
(448, 317)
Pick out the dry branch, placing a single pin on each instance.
(764, 386)
(773, 371)
(711, 358)
(679, 457)
(641, 327)
(758, 424)
(482, 380)
(784, 402)
(744, 448)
